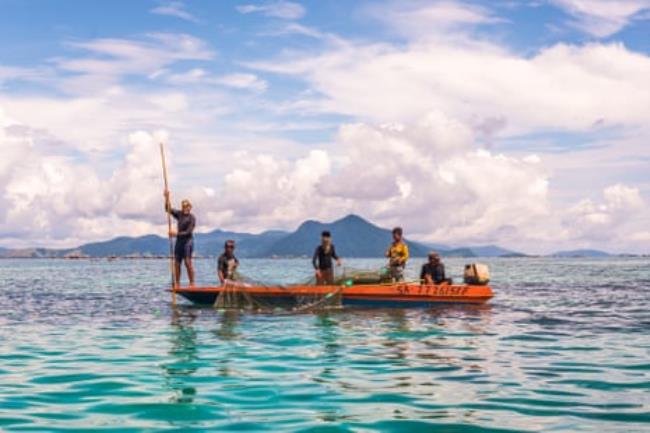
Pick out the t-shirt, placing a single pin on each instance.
(436, 272)
(185, 224)
(323, 260)
(398, 254)
(226, 264)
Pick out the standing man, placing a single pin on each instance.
(185, 223)
(398, 254)
(322, 260)
(227, 263)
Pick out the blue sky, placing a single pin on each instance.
(523, 123)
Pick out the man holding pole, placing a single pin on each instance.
(184, 239)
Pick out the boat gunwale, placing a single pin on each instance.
(408, 292)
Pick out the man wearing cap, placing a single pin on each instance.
(185, 223)
(398, 255)
(322, 260)
(433, 272)
(227, 263)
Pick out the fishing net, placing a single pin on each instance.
(241, 293)
(237, 295)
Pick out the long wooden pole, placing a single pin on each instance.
(169, 224)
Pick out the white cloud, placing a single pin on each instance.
(619, 220)
(242, 81)
(192, 76)
(428, 176)
(174, 9)
(136, 184)
(421, 19)
(293, 28)
(98, 122)
(51, 198)
(563, 87)
(431, 177)
(110, 59)
(602, 18)
(278, 9)
(622, 198)
(200, 76)
(263, 191)
(409, 155)
(13, 73)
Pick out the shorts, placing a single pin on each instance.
(326, 277)
(397, 273)
(183, 249)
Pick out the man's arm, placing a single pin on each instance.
(314, 259)
(335, 256)
(173, 212)
(405, 257)
(222, 277)
(236, 265)
(168, 205)
(425, 277)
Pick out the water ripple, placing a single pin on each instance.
(96, 346)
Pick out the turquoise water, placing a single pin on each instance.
(564, 347)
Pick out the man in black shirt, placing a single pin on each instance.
(185, 223)
(433, 272)
(322, 260)
(227, 263)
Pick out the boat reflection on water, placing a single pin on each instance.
(342, 354)
(184, 348)
(183, 352)
(408, 354)
(327, 329)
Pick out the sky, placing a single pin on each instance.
(519, 123)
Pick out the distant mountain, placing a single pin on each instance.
(123, 246)
(205, 244)
(352, 235)
(248, 245)
(494, 251)
(32, 253)
(581, 253)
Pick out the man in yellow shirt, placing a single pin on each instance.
(398, 254)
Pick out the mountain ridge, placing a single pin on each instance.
(353, 236)
(585, 252)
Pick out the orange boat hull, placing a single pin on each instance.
(400, 294)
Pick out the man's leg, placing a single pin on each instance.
(178, 258)
(177, 272)
(189, 247)
(190, 269)
(397, 273)
(400, 273)
(328, 277)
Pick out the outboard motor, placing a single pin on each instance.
(477, 274)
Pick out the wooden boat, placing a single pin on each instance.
(383, 295)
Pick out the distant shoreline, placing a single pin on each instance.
(107, 258)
